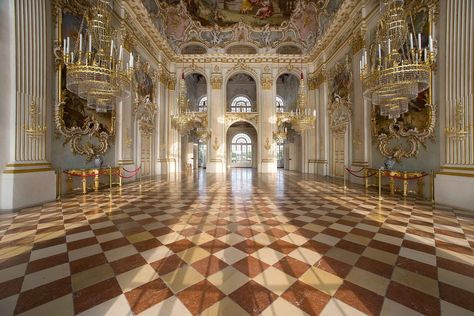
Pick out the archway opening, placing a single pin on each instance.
(194, 149)
(288, 153)
(242, 146)
(241, 94)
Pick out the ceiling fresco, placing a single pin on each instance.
(259, 23)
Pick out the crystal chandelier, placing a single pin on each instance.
(301, 119)
(187, 121)
(280, 135)
(401, 71)
(97, 74)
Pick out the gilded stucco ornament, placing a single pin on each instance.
(79, 137)
(232, 117)
(402, 141)
(266, 79)
(340, 103)
(216, 78)
(144, 107)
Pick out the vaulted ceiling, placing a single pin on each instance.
(291, 26)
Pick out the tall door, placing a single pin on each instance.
(338, 155)
(145, 154)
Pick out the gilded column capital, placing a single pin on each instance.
(357, 41)
(172, 83)
(216, 80)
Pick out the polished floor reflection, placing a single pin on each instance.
(237, 244)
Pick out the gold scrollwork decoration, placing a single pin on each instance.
(390, 145)
(75, 134)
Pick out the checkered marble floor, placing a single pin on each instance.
(237, 244)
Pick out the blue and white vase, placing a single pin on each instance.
(98, 161)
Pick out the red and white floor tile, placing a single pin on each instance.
(240, 244)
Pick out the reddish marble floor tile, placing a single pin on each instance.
(414, 299)
(457, 296)
(43, 294)
(47, 262)
(250, 266)
(360, 298)
(10, 287)
(333, 266)
(180, 245)
(253, 297)
(306, 298)
(96, 294)
(127, 264)
(375, 266)
(283, 246)
(200, 296)
(147, 295)
(209, 265)
(292, 266)
(168, 264)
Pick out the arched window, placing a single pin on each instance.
(280, 107)
(241, 148)
(202, 104)
(241, 104)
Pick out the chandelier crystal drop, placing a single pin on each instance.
(396, 70)
(96, 70)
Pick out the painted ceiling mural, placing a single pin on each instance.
(262, 23)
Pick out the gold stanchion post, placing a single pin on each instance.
(59, 178)
(380, 185)
(110, 180)
(433, 187)
(345, 187)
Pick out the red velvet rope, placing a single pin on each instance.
(362, 169)
(131, 171)
(357, 176)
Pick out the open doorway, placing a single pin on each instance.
(241, 146)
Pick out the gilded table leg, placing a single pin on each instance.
(391, 182)
(405, 184)
(96, 182)
(84, 183)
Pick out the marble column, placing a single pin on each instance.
(174, 138)
(455, 182)
(27, 178)
(163, 126)
(267, 123)
(216, 110)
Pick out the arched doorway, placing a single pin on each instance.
(242, 146)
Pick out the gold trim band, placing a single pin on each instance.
(455, 174)
(27, 170)
(458, 168)
(28, 164)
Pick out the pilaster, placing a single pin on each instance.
(267, 123)
(28, 178)
(454, 183)
(216, 109)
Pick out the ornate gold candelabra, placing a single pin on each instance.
(97, 74)
(35, 129)
(400, 71)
